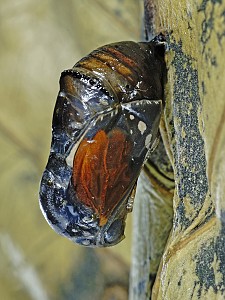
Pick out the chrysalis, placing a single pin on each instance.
(105, 123)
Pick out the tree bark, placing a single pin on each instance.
(192, 264)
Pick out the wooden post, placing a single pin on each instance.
(192, 262)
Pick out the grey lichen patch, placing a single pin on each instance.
(210, 261)
(212, 26)
(188, 149)
(198, 260)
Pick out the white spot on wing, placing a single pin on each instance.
(62, 94)
(131, 117)
(70, 157)
(142, 126)
(86, 242)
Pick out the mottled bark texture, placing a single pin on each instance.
(192, 263)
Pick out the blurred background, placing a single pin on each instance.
(40, 39)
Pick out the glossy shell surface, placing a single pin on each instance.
(105, 124)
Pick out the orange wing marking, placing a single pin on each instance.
(101, 172)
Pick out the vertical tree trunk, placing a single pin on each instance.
(192, 263)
